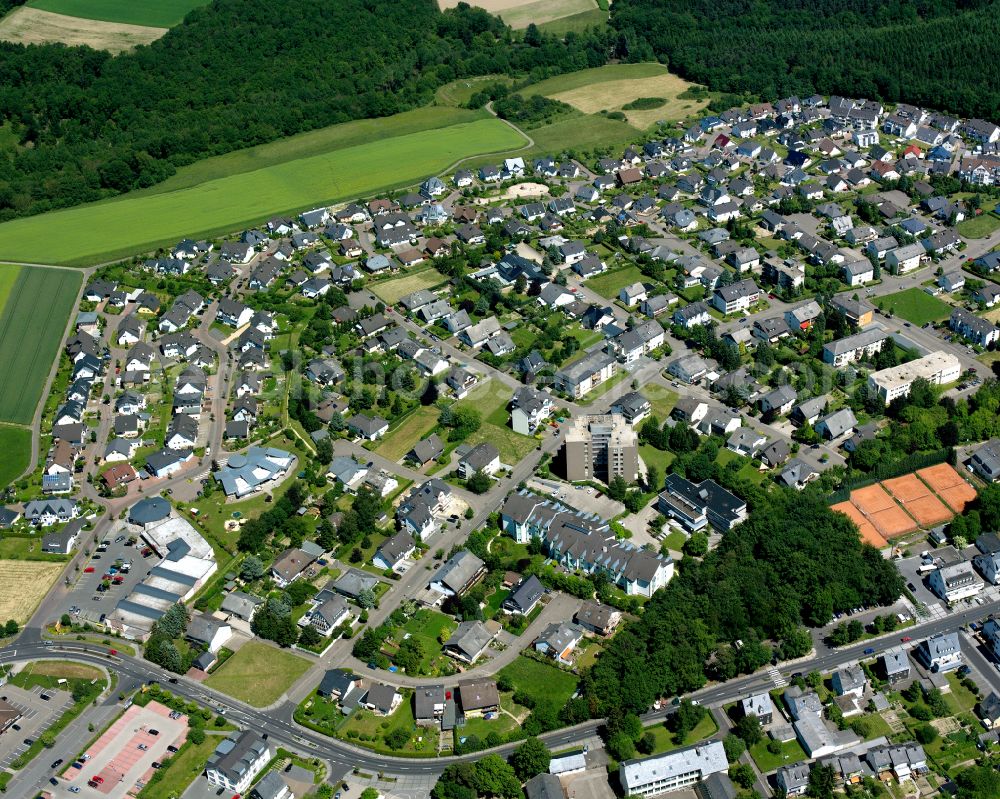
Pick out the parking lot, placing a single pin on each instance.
(38, 714)
(121, 760)
(85, 597)
(578, 497)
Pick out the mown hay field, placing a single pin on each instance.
(25, 584)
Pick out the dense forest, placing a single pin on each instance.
(929, 52)
(238, 73)
(793, 562)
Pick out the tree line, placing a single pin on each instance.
(238, 73)
(927, 52)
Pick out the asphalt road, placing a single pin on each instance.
(278, 722)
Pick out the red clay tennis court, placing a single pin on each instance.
(868, 533)
(929, 511)
(872, 499)
(906, 488)
(949, 485)
(942, 475)
(892, 522)
(918, 500)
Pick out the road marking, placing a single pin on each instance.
(776, 677)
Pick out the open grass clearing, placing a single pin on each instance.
(581, 132)
(666, 741)
(28, 25)
(791, 752)
(521, 13)
(611, 282)
(612, 95)
(576, 23)
(546, 684)
(157, 13)
(916, 306)
(978, 227)
(391, 290)
(15, 444)
(652, 456)
(100, 231)
(24, 585)
(47, 673)
(32, 323)
(661, 400)
(400, 440)
(258, 674)
(512, 446)
(487, 398)
(181, 769)
(20, 547)
(586, 77)
(459, 92)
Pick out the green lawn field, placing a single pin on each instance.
(32, 324)
(258, 674)
(155, 13)
(101, 231)
(610, 283)
(545, 684)
(15, 444)
(399, 441)
(916, 306)
(978, 227)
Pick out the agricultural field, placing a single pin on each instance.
(915, 305)
(390, 291)
(397, 442)
(521, 13)
(25, 584)
(27, 25)
(258, 674)
(314, 142)
(616, 86)
(32, 323)
(101, 231)
(152, 13)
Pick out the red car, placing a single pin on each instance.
(98, 779)
(112, 652)
(905, 639)
(89, 570)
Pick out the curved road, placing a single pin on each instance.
(278, 721)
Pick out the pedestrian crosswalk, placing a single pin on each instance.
(776, 677)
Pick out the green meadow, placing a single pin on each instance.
(103, 231)
(154, 13)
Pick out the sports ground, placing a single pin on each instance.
(920, 500)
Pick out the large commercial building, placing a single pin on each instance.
(601, 447)
(937, 368)
(672, 771)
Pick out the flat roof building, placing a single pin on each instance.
(601, 447)
(937, 368)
